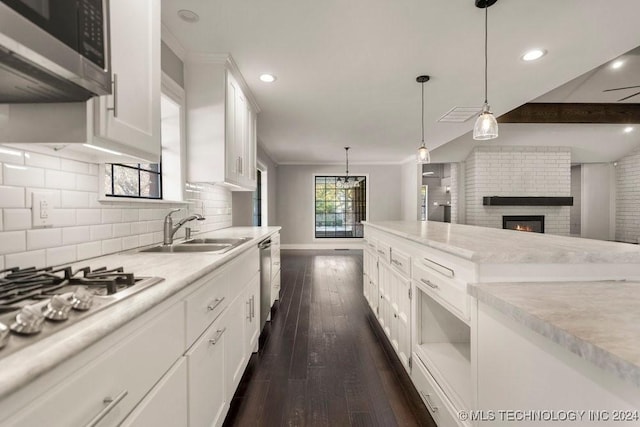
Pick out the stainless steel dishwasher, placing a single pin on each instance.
(265, 281)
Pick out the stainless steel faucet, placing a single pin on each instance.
(170, 230)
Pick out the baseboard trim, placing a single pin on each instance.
(331, 245)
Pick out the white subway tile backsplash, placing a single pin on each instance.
(72, 235)
(74, 166)
(64, 217)
(12, 241)
(101, 232)
(26, 259)
(60, 180)
(87, 183)
(120, 230)
(42, 161)
(84, 227)
(111, 246)
(87, 216)
(11, 197)
(61, 255)
(44, 238)
(89, 250)
(74, 199)
(16, 219)
(109, 216)
(130, 242)
(22, 176)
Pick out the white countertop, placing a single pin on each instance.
(598, 321)
(178, 270)
(485, 245)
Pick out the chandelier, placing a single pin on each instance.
(347, 181)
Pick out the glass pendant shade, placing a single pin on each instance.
(486, 126)
(423, 154)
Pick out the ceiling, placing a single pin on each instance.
(346, 69)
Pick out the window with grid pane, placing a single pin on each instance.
(139, 180)
(339, 211)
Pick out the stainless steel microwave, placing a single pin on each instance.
(54, 50)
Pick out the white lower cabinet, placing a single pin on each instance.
(166, 403)
(433, 397)
(207, 374)
(236, 357)
(105, 390)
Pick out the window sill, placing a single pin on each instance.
(133, 200)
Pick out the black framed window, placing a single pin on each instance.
(139, 180)
(257, 200)
(339, 211)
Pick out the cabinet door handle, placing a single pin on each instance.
(115, 96)
(396, 262)
(429, 284)
(216, 303)
(253, 306)
(428, 400)
(219, 332)
(249, 309)
(111, 403)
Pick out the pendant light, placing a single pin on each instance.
(347, 181)
(423, 152)
(486, 126)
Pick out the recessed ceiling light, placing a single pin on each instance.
(617, 64)
(268, 78)
(188, 16)
(628, 129)
(534, 54)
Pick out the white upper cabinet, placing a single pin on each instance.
(126, 122)
(221, 117)
(131, 115)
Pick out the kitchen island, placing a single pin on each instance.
(431, 287)
(143, 359)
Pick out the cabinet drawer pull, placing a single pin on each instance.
(216, 303)
(428, 283)
(445, 271)
(111, 403)
(396, 262)
(381, 252)
(219, 333)
(428, 400)
(371, 245)
(115, 96)
(276, 263)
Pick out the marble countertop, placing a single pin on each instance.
(178, 270)
(598, 321)
(485, 245)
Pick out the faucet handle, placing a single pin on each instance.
(172, 212)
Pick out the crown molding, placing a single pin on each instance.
(171, 40)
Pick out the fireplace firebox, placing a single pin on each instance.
(530, 223)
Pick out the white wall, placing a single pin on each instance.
(597, 200)
(295, 202)
(518, 171)
(82, 226)
(411, 182)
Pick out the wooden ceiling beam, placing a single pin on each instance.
(573, 113)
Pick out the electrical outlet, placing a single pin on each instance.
(41, 209)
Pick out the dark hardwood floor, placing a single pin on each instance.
(321, 361)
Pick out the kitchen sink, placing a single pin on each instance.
(217, 246)
(219, 241)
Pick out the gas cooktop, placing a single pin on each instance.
(36, 303)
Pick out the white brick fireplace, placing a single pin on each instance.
(518, 172)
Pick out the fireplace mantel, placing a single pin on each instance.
(526, 201)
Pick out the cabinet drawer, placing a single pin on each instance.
(450, 293)
(401, 261)
(206, 303)
(108, 388)
(241, 270)
(439, 407)
(383, 250)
